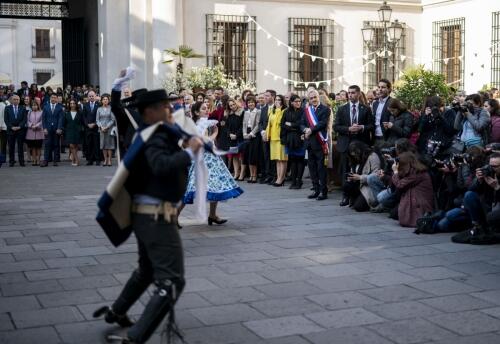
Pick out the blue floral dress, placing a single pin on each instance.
(221, 184)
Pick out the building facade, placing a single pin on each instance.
(280, 44)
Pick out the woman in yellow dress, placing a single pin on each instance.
(273, 133)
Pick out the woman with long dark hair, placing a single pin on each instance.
(291, 137)
(413, 182)
(73, 130)
(363, 161)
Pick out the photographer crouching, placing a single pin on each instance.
(480, 207)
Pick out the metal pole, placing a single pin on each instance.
(385, 49)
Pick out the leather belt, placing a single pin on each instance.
(168, 210)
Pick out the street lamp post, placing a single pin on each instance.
(391, 34)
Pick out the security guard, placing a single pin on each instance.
(157, 182)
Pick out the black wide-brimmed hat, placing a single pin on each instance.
(153, 97)
(134, 95)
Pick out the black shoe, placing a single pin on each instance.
(111, 317)
(345, 202)
(293, 186)
(54, 164)
(280, 184)
(321, 197)
(313, 195)
(11, 164)
(216, 220)
(262, 181)
(98, 163)
(22, 164)
(299, 185)
(269, 180)
(89, 163)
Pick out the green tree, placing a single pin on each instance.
(416, 84)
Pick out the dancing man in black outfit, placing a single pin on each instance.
(157, 182)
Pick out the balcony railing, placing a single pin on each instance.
(43, 53)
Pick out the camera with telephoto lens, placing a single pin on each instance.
(487, 171)
(459, 107)
(442, 164)
(464, 158)
(493, 146)
(433, 147)
(391, 151)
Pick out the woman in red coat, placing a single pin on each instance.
(414, 183)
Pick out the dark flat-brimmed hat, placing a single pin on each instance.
(152, 97)
(134, 95)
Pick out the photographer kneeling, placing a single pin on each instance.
(363, 161)
(380, 182)
(480, 208)
(413, 182)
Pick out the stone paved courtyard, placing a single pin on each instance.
(283, 270)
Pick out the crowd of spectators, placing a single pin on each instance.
(436, 169)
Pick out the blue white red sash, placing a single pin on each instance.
(313, 121)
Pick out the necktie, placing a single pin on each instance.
(91, 107)
(52, 108)
(15, 112)
(354, 114)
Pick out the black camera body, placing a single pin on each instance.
(433, 147)
(487, 171)
(461, 108)
(464, 158)
(389, 151)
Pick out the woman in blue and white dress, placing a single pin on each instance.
(221, 184)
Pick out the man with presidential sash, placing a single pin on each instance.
(314, 127)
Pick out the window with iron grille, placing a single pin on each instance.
(448, 46)
(314, 37)
(374, 72)
(41, 76)
(495, 50)
(231, 41)
(42, 48)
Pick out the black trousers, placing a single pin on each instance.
(317, 170)
(297, 166)
(344, 167)
(265, 161)
(93, 149)
(51, 149)
(161, 261)
(3, 142)
(13, 138)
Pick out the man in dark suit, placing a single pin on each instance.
(354, 121)
(316, 135)
(52, 121)
(15, 117)
(91, 130)
(380, 112)
(266, 167)
(23, 92)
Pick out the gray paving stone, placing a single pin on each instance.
(476, 268)
(484, 282)
(412, 331)
(85, 251)
(232, 295)
(218, 315)
(433, 273)
(27, 336)
(5, 324)
(49, 274)
(101, 269)
(70, 262)
(223, 334)
(467, 323)
(457, 303)
(288, 275)
(88, 282)
(492, 296)
(382, 265)
(288, 306)
(238, 280)
(339, 300)
(345, 318)
(47, 316)
(27, 288)
(199, 284)
(490, 338)
(289, 289)
(383, 279)
(444, 287)
(18, 303)
(21, 256)
(350, 335)
(83, 333)
(395, 293)
(340, 283)
(22, 266)
(284, 326)
(68, 298)
(403, 310)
